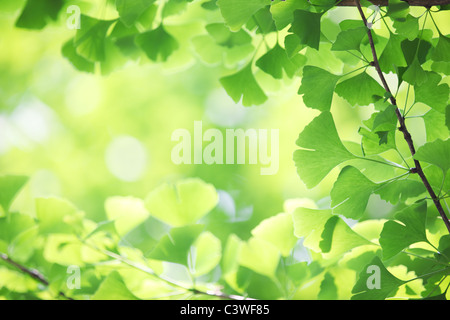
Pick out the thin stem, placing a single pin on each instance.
(392, 164)
(428, 274)
(401, 120)
(36, 275)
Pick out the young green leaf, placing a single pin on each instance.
(183, 203)
(157, 43)
(260, 256)
(9, 187)
(392, 56)
(317, 88)
(237, 12)
(69, 51)
(360, 89)
(113, 288)
(243, 84)
(351, 193)
(375, 282)
(58, 216)
(349, 39)
(400, 190)
(127, 213)
(275, 61)
(326, 150)
(432, 93)
(205, 254)
(397, 236)
(306, 26)
(442, 50)
(131, 10)
(436, 153)
(282, 12)
(36, 14)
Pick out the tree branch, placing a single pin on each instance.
(418, 3)
(31, 272)
(407, 136)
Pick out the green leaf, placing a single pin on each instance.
(237, 12)
(283, 11)
(37, 13)
(306, 26)
(157, 43)
(113, 288)
(278, 230)
(351, 193)
(338, 238)
(9, 187)
(15, 224)
(174, 247)
(69, 51)
(58, 216)
(317, 88)
(90, 38)
(131, 10)
(328, 288)
(397, 10)
(224, 37)
(416, 49)
(262, 21)
(183, 203)
(397, 236)
(126, 212)
(326, 150)
(442, 50)
(436, 153)
(242, 84)
(371, 275)
(409, 28)
(400, 190)
(392, 56)
(260, 256)
(360, 89)
(275, 61)
(437, 126)
(205, 253)
(432, 93)
(310, 223)
(349, 39)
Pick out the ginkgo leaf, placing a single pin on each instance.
(392, 56)
(275, 61)
(442, 50)
(375, 282)
(309, 224)
(131, 10)
(182, 203)
(349, 39)
(282, 12)
(224, 37)
(360, 89)
(69, 51)
(237, 12)
(126, 212)
(278, 230)
(9, 187)
(260, 256)
(157, 43)
(317, 87)
(432, 93)
(397, 236)
(57, 215)
(400, 190)
(36, 14)
(175, 246)
(205, 253)
(242, 84)
(306, 26)
(351, 193)
(326, 150)
(437, 126)
(409, 28)
(113, 288)
(436, 152)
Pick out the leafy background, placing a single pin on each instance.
(75, 104)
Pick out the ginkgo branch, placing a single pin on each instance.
(407, 136)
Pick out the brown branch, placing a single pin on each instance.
(36, 275)
(407, 136)
(417, 3)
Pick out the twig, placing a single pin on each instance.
(36, 275)
(407, 136)
(417, 3)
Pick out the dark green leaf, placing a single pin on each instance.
(442, 50)
(306, 26)
(436, 153)
(131, 10)
(360, 90)
(237, 12)
(349, 39)
(432, 93)
(275, 61)
(37, 13)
